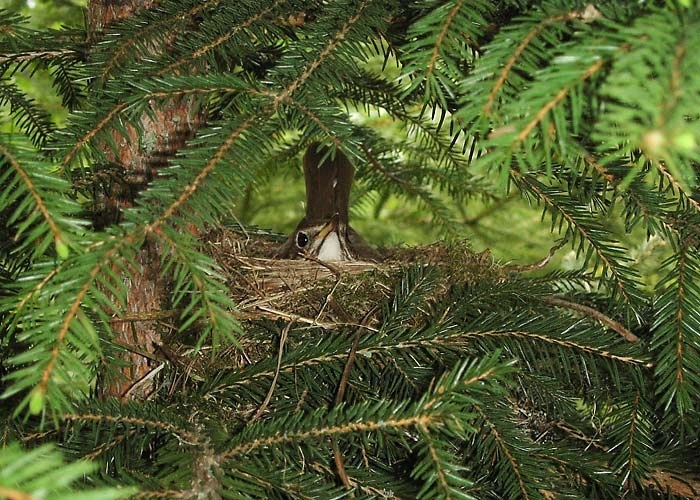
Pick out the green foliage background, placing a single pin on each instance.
(518, 125)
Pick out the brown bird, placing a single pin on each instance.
(324, 232)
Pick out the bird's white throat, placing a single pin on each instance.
(330, 248)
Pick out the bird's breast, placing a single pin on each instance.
(331, 250)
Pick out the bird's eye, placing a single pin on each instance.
(302, 239)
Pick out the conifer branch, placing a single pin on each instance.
(205, 49)
(25, 57)
(505, 450)
(82, 142)
(620, 280)
(125, 49)
(557, 99)
(206, 170)
(329, 431)
(439, 39)
(566, 344)
(70, 316)
(517, 53)
(580, 114)
(595, 314)
(35, 194)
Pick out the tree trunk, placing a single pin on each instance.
(139, 159)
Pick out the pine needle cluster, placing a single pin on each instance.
(497, 383)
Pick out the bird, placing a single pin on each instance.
(324, 233)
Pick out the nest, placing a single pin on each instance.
(326, 294)
(332, 297)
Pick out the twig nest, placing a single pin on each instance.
(328, 293)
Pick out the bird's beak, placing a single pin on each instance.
(328, 228)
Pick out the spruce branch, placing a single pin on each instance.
(593, 313)
(65, 342)
(340, 394)
(25, 57)
(43, 473)
(541, 113)
(183, 434)
(131, 44)
(603, 249)
(83, 142)
(631, 441)
(565, 344)
(239, 27)
(675, 340)
(25, 182)
(581, 109)
(34, 122)
(517, 484)
(588, 15)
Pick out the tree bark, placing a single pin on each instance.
(139, 159)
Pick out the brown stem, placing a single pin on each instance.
(595, 314)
